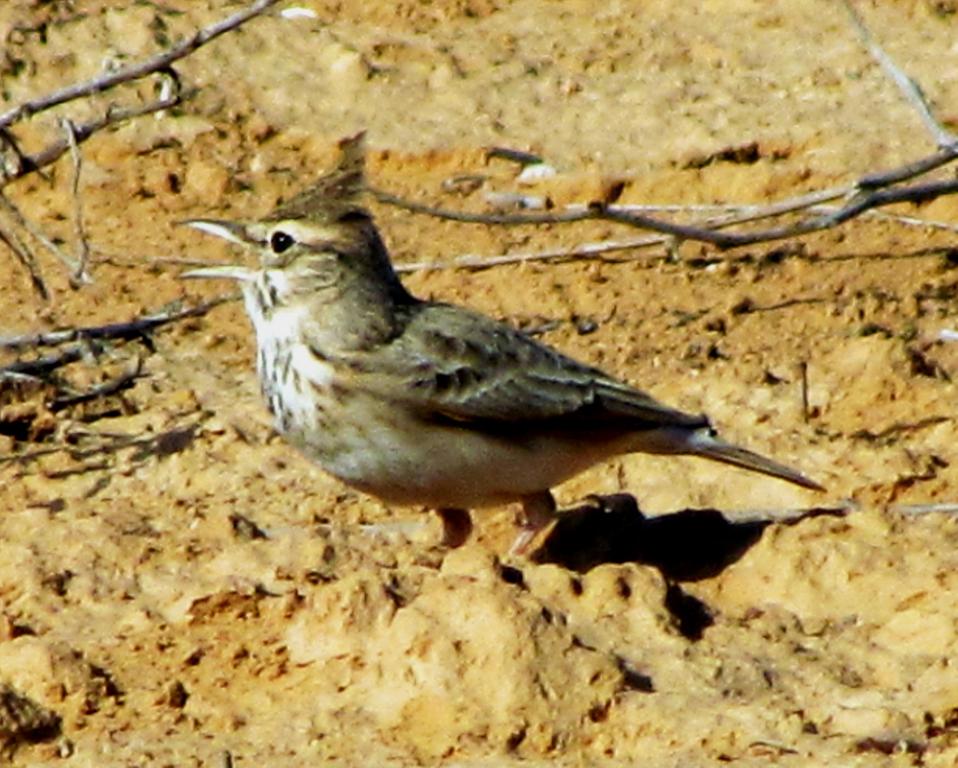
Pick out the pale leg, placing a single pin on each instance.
(538, 511)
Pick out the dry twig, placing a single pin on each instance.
(871, 191)
(42, 366)
(132, 329)
(26, 164)
(15, 164)
(27, 259)
(35, 232)
(915, 510)
(865, 194)
(161, 62)
(907, 85)
(79, 274)
(112, 387)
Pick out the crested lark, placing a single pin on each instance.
(419, 402)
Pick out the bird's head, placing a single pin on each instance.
(322, 239)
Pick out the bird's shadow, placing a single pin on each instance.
(688, 545)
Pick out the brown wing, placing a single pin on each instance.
(455, 364)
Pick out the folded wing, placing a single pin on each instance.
(457, 365)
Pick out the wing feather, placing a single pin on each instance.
(454, 364)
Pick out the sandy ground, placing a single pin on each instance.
(179, 587)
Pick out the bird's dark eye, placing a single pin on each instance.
(280, 241)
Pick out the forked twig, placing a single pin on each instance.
(35, 232)
(15, 164)
(170, 96)
(137, 70)
(859, 202)
(132, 329)
(42, 366)
(112, 387)
(602, 250)
(871, 191)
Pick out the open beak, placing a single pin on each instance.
(225, 272)
(228, 230)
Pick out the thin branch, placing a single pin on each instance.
(25, 164)
(169, 96)
(112, 387)
(132, 329)
(106, 257)
(899, 428)
(859, 202)
(914, 221)
(733, 213)
(738, 213)
(137, 70)
(519, 156)
(919, 193)
(35, 232)
(11, 158)
(14, 164)
(910, 170)
(915, 510)
(83, 131)
(872, 190)
(907, 85)
(584, 251)
(43, 366)
(79, 275)
(791, 516)
(27, 259)
(599, 251)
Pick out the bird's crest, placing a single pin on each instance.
(336, 195)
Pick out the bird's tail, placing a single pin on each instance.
(704, 442)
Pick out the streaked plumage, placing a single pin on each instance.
(420, 402)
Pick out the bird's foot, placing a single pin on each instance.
(540, 518)
(537, 515)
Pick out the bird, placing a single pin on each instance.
(421, 402)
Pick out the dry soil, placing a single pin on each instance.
(179, 587)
